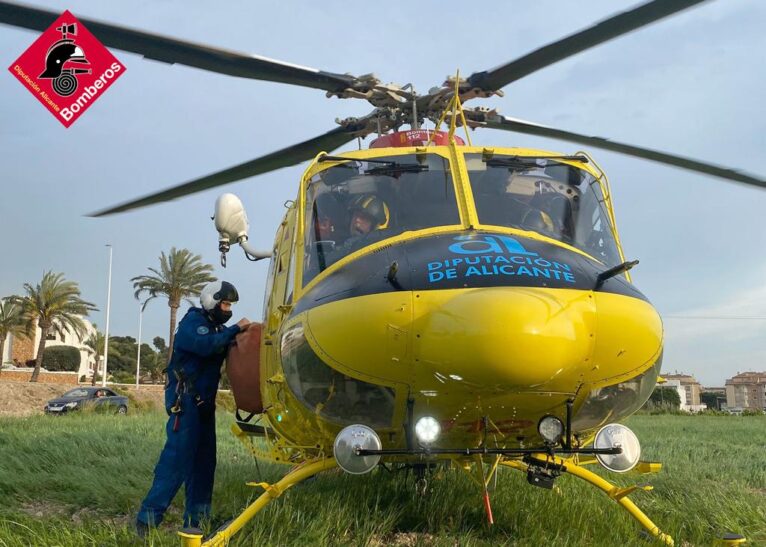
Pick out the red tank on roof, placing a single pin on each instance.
(414, 137)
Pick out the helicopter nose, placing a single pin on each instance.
(503, 338)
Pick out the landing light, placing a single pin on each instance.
(618, 435)
(351, 439)
(551, 429)
(427, 429)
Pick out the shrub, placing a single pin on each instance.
(123, 377)
(62, 358)
(714, 412)
(136, 404)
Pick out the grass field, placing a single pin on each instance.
(78, 480)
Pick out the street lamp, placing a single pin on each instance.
(138, 356)
(108, 306)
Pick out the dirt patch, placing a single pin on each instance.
(19, 399)
(403, 539)
(46, 510)
(26, 399)
(40, 509)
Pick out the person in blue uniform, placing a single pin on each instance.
(189, 455)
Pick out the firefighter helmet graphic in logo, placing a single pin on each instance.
(62, 53)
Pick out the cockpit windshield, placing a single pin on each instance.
(546, 196)
(358, 203)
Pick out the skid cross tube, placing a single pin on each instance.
(487, 451)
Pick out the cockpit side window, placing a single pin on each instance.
(546, 196)
(355, 204)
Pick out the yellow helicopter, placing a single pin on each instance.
(432, 301)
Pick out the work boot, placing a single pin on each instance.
(142, 529)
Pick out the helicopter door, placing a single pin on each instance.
(283, 269)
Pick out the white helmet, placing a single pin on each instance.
(212, 295)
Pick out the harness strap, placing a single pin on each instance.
(246, 419)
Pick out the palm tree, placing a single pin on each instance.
(95, 345)
(55, 304)
(12, 322)
(181, 275)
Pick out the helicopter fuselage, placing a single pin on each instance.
(485, 327)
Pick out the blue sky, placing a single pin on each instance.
(691, 85)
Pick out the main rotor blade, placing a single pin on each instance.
(623, 23)
(171, 50)
(276, 160)
(528, 128)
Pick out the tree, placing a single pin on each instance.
(159, 343)
(12, 321)
(666, 396)
(156, 366)
(710, 399)
(56, 306)
(95, 345)
(180, 276)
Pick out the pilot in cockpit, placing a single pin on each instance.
(369, 217)
(327, 230)
(329, 220)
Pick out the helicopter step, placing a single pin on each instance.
(254, 430)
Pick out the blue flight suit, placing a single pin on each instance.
(189, 454)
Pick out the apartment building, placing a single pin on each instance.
(746, 390)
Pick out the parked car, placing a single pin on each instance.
(100, 398)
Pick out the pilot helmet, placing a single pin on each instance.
(374, 207)
(211, 297)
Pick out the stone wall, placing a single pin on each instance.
(45, 377)
(23, 349)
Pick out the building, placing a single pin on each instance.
(720, 396)
(688, 391)
(20, 350)
(746, 390)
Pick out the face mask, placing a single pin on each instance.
(219, 316)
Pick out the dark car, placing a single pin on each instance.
(100, 399)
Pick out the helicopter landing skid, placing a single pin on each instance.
(620, 495)
(193, 537)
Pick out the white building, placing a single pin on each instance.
(682, 395)
(87, 359)
(6, 356)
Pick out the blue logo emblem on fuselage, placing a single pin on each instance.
(495, 255)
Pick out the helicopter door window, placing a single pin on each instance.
(594, 234)
(269, 285)
(328, 392)
(543, 195)
(290, 277)
(613, 403)
(356, 204)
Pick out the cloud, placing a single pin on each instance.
(741, 316)
(715, 341)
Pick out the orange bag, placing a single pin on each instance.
(243, 368)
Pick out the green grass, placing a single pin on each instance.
(78, 480)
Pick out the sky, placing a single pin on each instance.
(691, 85)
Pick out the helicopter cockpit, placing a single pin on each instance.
(546, 196)
(396, 194)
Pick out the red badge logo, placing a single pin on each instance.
(67, 69)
